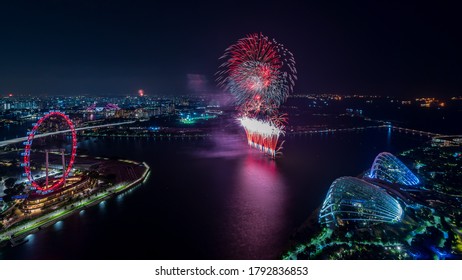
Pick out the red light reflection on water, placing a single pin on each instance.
(257, 208)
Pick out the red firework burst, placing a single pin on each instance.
(258, 66)
(260, 73)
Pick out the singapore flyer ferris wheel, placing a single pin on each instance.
(53, 184)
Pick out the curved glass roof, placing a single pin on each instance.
(387, 167)
(351, 199)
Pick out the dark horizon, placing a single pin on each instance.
(116, 47)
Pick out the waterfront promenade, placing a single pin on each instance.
(20, 231)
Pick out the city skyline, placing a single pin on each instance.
(116, 47)
(71, 160)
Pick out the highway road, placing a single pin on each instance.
(22, 139)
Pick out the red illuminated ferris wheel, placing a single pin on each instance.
(28, 144)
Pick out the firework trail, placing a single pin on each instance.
(261, 74)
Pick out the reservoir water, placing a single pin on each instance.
(211, 198)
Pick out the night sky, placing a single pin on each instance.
(116, 47)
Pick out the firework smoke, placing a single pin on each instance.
(261, 73)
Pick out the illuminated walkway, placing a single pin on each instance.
(52, 217)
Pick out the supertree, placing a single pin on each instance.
(261, 74)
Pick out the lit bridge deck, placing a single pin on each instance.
(22, 139)
(395, 128)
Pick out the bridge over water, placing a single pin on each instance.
(22, 139)
(395, 128)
